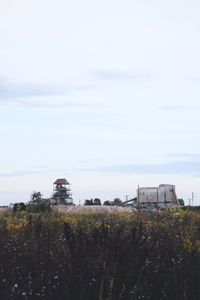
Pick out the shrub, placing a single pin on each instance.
(19, 207)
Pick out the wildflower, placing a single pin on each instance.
(197, 244)
(188, 245)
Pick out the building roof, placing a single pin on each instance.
(61, 181)
(150, 188)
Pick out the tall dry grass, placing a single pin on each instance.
(100, 256)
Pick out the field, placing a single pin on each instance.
(91, 256)
(94, 209)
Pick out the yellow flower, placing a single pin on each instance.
(197, 244)
(188, 245)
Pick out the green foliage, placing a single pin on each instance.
(36, 198)
(19, 207)
(181, 202)
(38, 208)
(89, 202)
(191, 208)
(116, 202)
(107, 202)
(97, 201)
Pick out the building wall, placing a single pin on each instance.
(162, 194)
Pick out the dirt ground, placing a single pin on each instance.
(94, 209)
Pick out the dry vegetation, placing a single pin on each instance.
(94, 209)
(92, 256)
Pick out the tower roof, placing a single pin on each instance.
(61, 181)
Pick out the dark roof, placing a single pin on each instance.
(61, 181)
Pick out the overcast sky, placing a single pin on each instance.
(103, 93)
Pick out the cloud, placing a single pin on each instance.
(185, 156)
(46, 101)
(88, 160)
(179, 167)
(41, 167)
(10, 89)
(20, 173)
(172, 108)
(118, 75)
(25, 94)
(38, 171)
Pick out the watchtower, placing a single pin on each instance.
(62, 192)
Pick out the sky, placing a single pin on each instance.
(103, 93)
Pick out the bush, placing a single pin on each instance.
(107, 202)
(88, 202)
(19, 207)
(39, 208)
(97, 201)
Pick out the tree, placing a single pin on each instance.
(97, 201)
(181, 202)
(107, 202)
(19, 207)
(88, 202)
(117, 202)
(36, 198)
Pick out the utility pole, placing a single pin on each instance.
(126, 196)
(138, 198)
(157, 205)
(192, 198)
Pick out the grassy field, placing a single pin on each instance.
(91, 256)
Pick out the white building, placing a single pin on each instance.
(163, 196)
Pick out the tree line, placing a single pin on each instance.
(97, 201)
